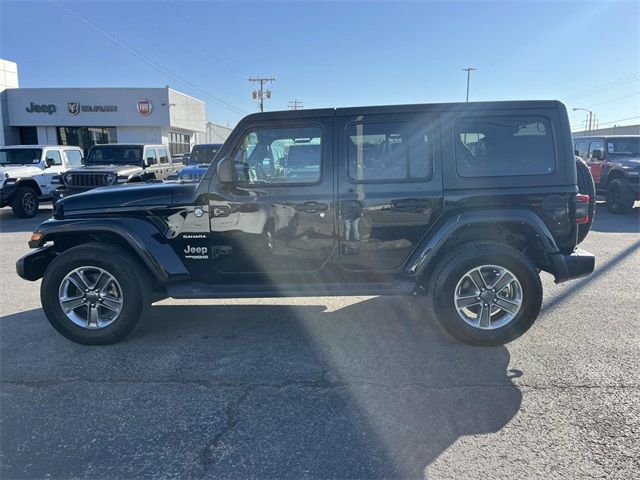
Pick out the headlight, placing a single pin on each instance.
(68, 178)
(111, 178)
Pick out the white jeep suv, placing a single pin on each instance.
(26, 173)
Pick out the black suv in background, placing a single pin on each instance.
(112, 164)
(614, 162)
(462, 204)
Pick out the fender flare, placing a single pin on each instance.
(144, 238)
(426, 252)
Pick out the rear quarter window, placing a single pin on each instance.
(504, 146)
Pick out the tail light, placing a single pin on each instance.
(582, 208)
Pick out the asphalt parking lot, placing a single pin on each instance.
(341, 387)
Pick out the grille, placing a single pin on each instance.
(86, 180)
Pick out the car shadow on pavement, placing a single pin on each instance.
(605, 221)
(9, 223)
(371, 389)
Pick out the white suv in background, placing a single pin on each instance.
(26, 172)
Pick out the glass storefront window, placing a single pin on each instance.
(86, 137)
(179, 143)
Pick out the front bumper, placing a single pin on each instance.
(6, 195)
(32, 266)
(567, 267)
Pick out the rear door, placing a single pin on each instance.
(389, 190)
(277, 220)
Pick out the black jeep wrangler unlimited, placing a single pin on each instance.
(461, 203)
(112, 164)
(614, 162)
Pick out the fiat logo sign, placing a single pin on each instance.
(144, 107)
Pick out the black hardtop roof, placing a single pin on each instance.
(408, 108)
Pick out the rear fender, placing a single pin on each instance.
(143, 236)
(427, 251)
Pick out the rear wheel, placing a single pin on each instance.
(25, 202)
(586, 187)
(486, 293)
(620, 198)
(95, 294)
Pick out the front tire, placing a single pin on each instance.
(620, 198)
(25, 203)
(486, 293)
(95, 294)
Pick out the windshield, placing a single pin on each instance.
(203, 154)
(624, 146)
(106, 155)
(20, 156)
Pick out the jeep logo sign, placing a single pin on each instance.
(144, 107)
(34, 108)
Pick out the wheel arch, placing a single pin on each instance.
(29, 182)
(521, 229)
(139, 236)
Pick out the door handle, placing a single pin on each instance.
(312, 207)
(409, 204)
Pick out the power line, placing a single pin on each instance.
(615, 99)
(295, 104)
(616, 83)
(619, 120)
(143, 57)
(261, 94)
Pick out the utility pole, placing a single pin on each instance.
(590, 122)
(468, 70)
(295, 105)
(261, 94)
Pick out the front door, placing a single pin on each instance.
(277, 220)
(389, 190)
(57, 167)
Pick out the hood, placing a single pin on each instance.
(16, 171)
(631, 160)
(128, 196)
(121, 170)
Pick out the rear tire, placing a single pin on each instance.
(25, 203)
(620, 197)
(451, 278)
(129, 292)
(586, 187)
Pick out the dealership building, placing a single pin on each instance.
(86, 116)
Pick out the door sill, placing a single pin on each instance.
(206, 290)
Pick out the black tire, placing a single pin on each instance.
(464, 259)
(586, 187)
(128, 271)
(25, 202)
(620, 197)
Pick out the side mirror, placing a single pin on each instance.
(48, 162)
(82, 160)
(225, 170)
(147, 161)
(596, 155)
(576, 153)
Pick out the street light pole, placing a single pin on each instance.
(468, 70)
(590, 118)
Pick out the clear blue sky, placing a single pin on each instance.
(336, 54)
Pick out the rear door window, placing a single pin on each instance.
(379, 151)
(504, 146)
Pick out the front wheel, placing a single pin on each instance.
(486, 294)
(620, 197)
(25, 202)
(95, 294)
